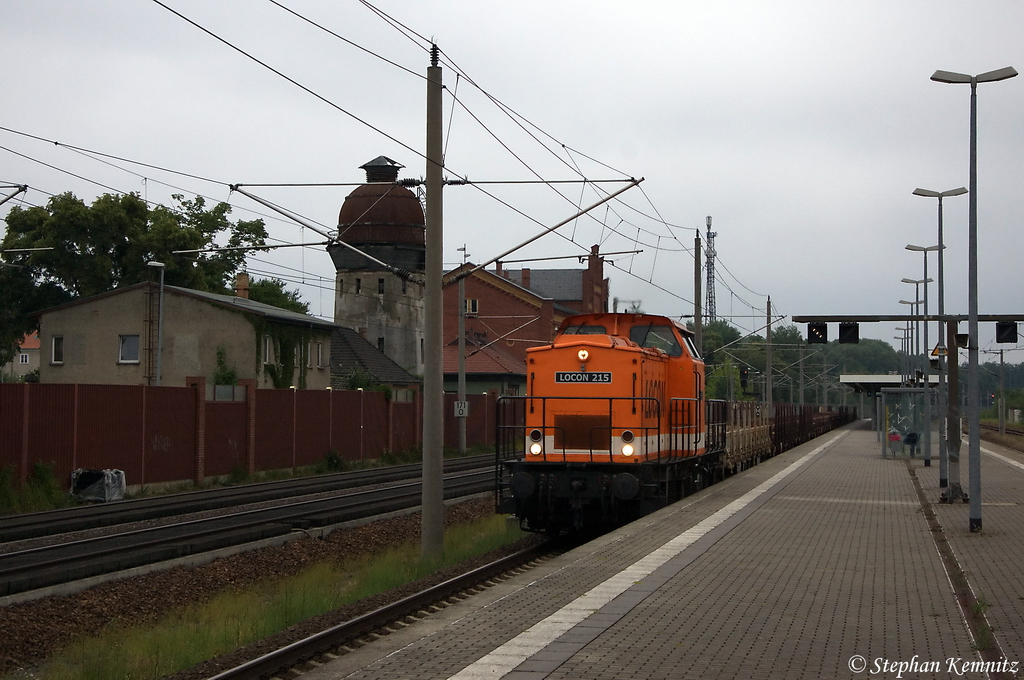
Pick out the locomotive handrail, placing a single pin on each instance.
(563, 453)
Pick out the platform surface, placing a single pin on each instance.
(822, 562)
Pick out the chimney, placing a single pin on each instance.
(242, 285)
(526, 278)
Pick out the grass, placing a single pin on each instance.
(41, 492)
(234, 619)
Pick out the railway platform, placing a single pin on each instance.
(826, 561)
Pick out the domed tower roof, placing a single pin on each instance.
(382, 219)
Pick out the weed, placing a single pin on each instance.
(236, 618)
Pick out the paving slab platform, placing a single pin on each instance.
(823, 562)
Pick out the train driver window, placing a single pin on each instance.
(657, 337)
(585, 330)
(691, 347)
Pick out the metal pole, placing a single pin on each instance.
(943, 397)
(927, 375)
(432, 528)
(160, 333)
(973, 386)
(698, 322)
(768, 360)
(462, 362)
(1002, 394)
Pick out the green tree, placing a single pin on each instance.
(94, 248)
(273, 292)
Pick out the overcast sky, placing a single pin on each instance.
(801, 127)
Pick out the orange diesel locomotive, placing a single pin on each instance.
(615, 424)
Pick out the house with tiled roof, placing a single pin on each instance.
(489, 368)
(355, 360)
(25, 361)
(117, 338)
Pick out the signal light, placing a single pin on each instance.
(849, 332)
(1006, 332)
(817, 333)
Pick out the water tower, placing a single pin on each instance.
(385, 220)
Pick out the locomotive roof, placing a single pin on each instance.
(630, 319)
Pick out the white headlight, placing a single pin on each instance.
(627, 449)
(536, 448)
(583, 355)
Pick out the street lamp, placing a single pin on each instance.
(917, 296)
(973, 386)
(160, 323)
(941, 346)
(927, 372)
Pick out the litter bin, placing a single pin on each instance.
(895, 442)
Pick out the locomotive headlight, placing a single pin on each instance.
(627, 443)
(583, 355)
(536, 437)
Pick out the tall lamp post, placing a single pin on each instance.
(973, 386)
(927, 372)
(159, 324)
(941, 334)
(917, 296)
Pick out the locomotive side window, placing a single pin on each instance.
(690, 346)
(584, 330)
(657, 337)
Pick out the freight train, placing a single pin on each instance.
(615, 425)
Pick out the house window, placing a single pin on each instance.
(309, 354)
(129, 352)
(380, 344)
(359, 285)
(405, 286)
(23, 358)
(268, 349)
(319, 355)
(472, 306)
(380, 286)
(57, 349)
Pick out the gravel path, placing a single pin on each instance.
(31, 630)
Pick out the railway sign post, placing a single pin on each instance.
(462, 409)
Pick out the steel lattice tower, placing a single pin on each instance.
(709, 308)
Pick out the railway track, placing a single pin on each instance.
(60, 563)
(294, 658)
(82, 518)
(1009, 430)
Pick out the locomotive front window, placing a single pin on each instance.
(657, 337)
(585, 330)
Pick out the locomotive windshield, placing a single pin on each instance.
(582, 329)
(657, 337)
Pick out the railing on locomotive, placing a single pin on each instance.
(688, 427)
(642, 416)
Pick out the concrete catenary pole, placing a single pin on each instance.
(432, 528)
(698, 322)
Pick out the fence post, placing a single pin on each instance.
(250, 424)
(199, 385)
(23, 472)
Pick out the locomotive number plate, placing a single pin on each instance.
(583, 377)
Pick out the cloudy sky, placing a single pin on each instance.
(801, 127)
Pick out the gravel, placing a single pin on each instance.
(32, 630)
